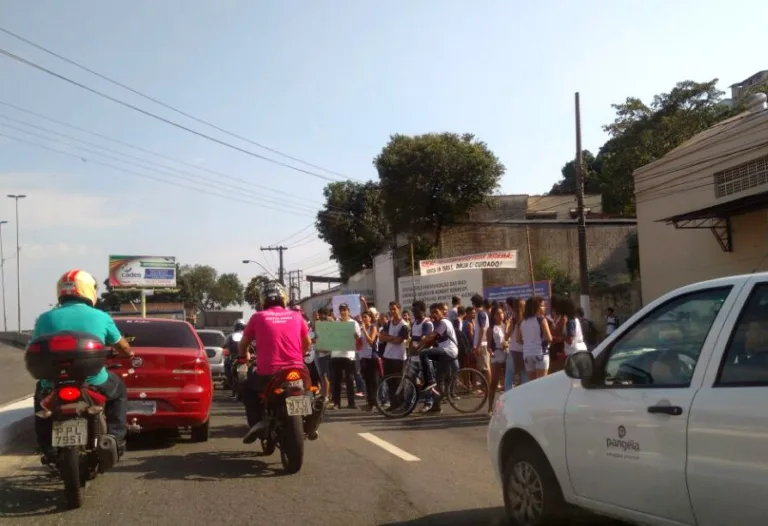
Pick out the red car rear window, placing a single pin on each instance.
(140, 333)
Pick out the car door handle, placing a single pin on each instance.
(674, 410)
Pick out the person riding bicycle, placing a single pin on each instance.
(281, 338)
(231, 345)
(441, 346)
(77, 293)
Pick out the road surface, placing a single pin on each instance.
(346, 479)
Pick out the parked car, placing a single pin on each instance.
(663, 423)
(213, 341)
(169, 380)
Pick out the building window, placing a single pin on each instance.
(741, 178)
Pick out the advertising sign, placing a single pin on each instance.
(142, 272)
(440, 288)
(519, 291)
(486, 260)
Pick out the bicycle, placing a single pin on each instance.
(460, 385)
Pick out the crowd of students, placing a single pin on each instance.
(509, 342)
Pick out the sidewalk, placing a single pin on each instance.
(16, 389)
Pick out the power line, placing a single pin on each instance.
(159, 118)
(204, 180)
(296, 233)
(138, 148)
(166, 105)
(113, 167)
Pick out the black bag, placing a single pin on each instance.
(462, 342)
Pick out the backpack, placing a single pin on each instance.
(462, 342)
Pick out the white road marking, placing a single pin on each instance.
(386, 446)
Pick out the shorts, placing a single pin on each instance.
(323, 365)
(499, 357)
(483, 359)
(539, 362)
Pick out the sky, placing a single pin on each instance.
(325, 82)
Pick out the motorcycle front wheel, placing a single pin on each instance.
(74, 484)
(292, 444)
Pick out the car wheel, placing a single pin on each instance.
(532, 495)
(202, 432)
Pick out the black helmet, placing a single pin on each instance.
(239, 325)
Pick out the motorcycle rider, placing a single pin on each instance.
(281, 338)
(77, 293)
(231, 344)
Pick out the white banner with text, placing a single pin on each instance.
(486, 260)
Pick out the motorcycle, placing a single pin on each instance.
(79, 432)
(293, 410)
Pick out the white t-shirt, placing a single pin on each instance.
(396, 351)
(499, 334)
(453, 314)
(530, 328)
(573, 328)
(366, 351)
(447, 339)
(348, 354)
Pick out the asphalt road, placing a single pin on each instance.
(346, 479)
(15, 382)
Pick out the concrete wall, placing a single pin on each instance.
(683, 181)
(606, 245)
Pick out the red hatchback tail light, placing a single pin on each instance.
(196, 367)
(69, 394)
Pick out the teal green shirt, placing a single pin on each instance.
(79, 317)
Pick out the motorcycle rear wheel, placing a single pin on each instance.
(74, 483)
(292, 444)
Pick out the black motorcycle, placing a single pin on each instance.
(79, 433)
(293, 411)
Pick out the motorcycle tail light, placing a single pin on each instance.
(69, 394)
(293, 375)
(62, 343)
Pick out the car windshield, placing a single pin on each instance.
(211, 339)
(146, 333)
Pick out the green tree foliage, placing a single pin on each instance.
(252, 293)
(642, 133)
(591, 171)
(227, 291)
(430, 181)
(562, 283)
(353, 224)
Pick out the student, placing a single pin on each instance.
(343, 364)
(515, 371)
(588, 328)
(439, 346)
(420, 327)
(480, 343)
(453, 314)
(573, 335)
(323, 358)
(369, 360)
(395, 338)
(498, 344)
(535, 337)
(611, 321)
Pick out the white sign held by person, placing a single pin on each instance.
(352, 301)
(486, 260)
(441, 288)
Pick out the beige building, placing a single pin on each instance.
(701, 209)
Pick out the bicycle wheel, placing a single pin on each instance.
(468, 391)
(402, 402)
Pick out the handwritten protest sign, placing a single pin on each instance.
(335, 336)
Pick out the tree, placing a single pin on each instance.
(433, 180)
(228, 290)
(196, 283)
(562, 283)
(353, 224)
(253, 291)
(567, 185)
(642, 133)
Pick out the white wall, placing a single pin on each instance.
(384, 279)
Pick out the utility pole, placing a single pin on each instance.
(18, 258)
(2, 271)
(294, 285)
(281, 270)
(582, 219)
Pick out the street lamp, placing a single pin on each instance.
(18, 253)
(2, 272)
(246, 261)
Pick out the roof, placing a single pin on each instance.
(746, 80)
(725, 209)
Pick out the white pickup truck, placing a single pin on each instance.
(664, 423)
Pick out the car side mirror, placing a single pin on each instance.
(580, 366)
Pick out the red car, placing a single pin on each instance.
(169, 380)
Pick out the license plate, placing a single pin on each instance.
(70, 433)
(142, 407)
(298, 405)
(242, 371)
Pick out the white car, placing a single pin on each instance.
(664, 423)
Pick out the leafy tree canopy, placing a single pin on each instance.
(353, 224)
(252, 293)
(591, 171)
(430, 181)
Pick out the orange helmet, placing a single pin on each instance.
(77, 284)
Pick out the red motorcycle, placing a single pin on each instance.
(293, 411)
(79, 433)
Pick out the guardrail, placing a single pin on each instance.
(20, 339)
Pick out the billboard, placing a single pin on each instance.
(142, 272)
(486, 260)
(441, 287)
(520, 291)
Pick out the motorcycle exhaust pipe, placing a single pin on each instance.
(312, 422)
(107, 452)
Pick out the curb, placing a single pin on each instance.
(16, 419)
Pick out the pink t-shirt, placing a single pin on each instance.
(277, 334)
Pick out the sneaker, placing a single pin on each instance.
(359, 395)
(255, 433)
(426, 408)
(435, 410)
